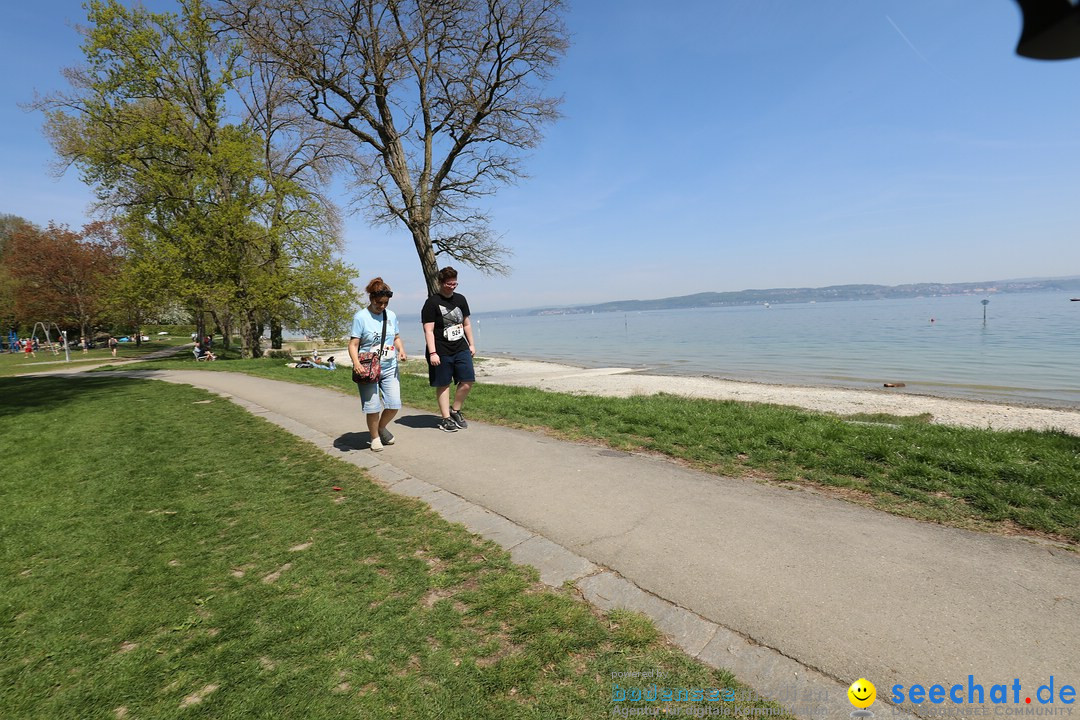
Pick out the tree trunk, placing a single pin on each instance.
(224, 326)
(275, 334)
(252, 335)
(422, 240)
(221, 324)
(200, 324)
(260, 328)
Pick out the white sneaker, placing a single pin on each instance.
(376, 444)
(386, 436)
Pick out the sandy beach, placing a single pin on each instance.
(624, 382)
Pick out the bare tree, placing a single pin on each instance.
(440, 95)
(298, 151)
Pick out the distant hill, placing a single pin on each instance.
(776, 296)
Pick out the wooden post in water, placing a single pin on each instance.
(984, 304)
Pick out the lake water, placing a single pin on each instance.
(1028, 350)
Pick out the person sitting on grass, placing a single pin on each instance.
(204, 353)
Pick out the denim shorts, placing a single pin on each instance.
(457, 367)
(383, 395)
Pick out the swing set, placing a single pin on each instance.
(61, 338)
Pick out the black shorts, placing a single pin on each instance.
(457, 367)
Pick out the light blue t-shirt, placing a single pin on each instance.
(368, 328)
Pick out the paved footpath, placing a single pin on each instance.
(790, 590)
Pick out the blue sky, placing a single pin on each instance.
(722, 145)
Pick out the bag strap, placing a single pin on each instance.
(382, 342)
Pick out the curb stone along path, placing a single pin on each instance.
(768, 671)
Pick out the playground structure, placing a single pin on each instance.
(61, 338)
(46, 331)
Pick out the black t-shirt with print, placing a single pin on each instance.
(449, 315)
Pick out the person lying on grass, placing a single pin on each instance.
(307, 362)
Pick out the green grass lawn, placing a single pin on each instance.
(166, 554)
(46, 360)
(1001, 481)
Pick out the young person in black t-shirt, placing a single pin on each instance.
(450, 348)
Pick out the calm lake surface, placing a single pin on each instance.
(1028, 350)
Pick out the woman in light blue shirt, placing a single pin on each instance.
(381, 400)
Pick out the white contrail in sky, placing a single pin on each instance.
(910, 45)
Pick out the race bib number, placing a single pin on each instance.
(454, 332)
(388, 351)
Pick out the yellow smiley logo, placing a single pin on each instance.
(862, 693)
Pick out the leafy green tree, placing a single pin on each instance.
(148, 127)
(300, 156)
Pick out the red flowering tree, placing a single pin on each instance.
(60, 276)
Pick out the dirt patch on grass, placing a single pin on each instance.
(433, 596)
(197, 697)
(276, 575)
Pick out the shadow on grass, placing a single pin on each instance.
(19, 396)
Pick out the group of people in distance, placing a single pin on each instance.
(30, 346)
(449, 350)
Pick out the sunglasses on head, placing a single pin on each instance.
(382, 294)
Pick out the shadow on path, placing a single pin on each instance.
(352, 441)
(421, 422)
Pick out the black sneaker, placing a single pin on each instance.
(458, 419)
(447, 425)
